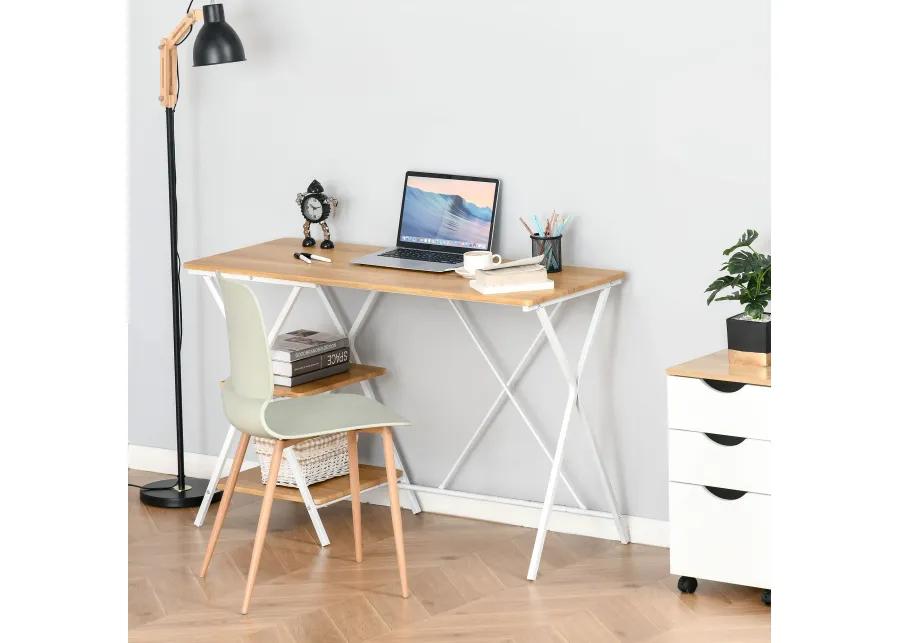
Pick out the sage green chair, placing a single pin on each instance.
(249, 406)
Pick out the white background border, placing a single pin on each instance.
(835, 208)
(836, 146)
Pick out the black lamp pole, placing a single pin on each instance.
(174, 270)
(216, 43)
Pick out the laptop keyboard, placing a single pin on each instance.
(422, 255)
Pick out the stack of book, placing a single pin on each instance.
(305, 355)
(513, 276)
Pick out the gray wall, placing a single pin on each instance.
(649, 120)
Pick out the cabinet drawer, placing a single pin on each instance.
(694, 405)
(700, 459)
(716, 539)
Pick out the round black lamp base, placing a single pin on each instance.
(164, 494)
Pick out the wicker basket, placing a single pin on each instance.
(321, 458)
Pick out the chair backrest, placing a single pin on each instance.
(249, 387)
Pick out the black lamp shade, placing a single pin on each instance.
(217, 42)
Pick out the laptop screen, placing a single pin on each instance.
(446, 212)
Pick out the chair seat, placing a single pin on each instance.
(302, 417)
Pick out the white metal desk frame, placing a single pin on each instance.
(571, 375)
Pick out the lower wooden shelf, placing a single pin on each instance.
(250, 483)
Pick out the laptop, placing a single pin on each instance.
(442, 217)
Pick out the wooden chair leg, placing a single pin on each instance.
(396, 519)
(352, 441)
(225, 502)
(264, 513)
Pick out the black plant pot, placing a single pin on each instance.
(749, 342)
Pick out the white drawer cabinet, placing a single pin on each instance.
(720, 473)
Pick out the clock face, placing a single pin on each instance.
(314, 208)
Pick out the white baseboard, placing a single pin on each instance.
(644, 531)
(196, 465)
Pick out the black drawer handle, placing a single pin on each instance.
(724, 440)
(725, 494)
(724, 387)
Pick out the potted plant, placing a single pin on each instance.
(749, 276)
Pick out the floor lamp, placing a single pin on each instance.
(216, 43)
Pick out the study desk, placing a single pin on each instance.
(273, 262)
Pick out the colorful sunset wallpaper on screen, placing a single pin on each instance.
(449, 212)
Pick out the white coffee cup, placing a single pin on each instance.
(478, 259)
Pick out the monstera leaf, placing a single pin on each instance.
(755, 309)
(748, 274)
(745, 262)
(744, 242)
(717, 285)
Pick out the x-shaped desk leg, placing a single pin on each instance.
(621, 525)
(368, 390)
(572, 377)
(498, 402)
(492, 364)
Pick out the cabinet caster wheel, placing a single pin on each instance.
(328, 244)
(766, 597)
(687, 584)
(309, 242)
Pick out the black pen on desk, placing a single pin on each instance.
(309, 257)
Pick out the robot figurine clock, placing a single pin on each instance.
(316, 206)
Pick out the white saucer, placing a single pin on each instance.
(462, 273)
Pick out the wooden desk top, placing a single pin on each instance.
(275, 260)
(716, 366)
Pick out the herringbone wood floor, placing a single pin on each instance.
(466, 579)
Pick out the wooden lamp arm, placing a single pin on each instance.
(168, 59)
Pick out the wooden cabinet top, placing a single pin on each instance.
(716, 366)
